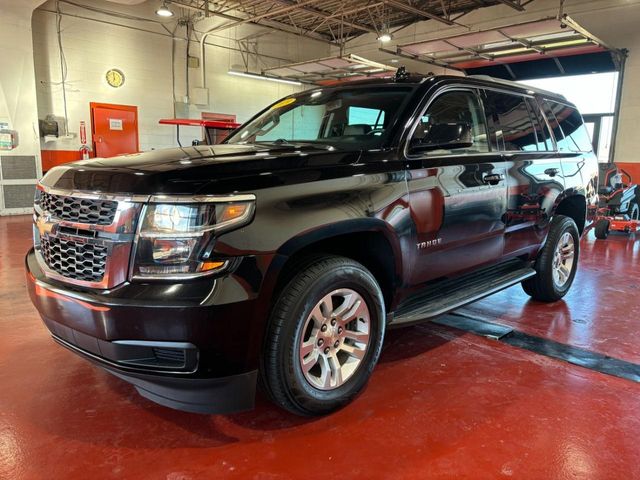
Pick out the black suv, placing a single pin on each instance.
(283, 255)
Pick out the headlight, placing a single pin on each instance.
(175, 239)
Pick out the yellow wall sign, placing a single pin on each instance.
(283, 103)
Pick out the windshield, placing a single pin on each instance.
(342, 118)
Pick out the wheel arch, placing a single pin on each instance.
(575, 207)
(370, 242)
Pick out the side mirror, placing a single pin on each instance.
(444, 136)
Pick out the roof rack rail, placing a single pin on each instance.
(518, 85)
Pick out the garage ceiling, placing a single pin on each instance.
(336, 21)
(327, 70)
(535, 49)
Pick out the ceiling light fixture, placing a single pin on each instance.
(255, 76)
(164, 11)
(385, 37)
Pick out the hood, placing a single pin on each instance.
(203, 170)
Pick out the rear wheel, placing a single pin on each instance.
(602, 229)
(557, 262)
(324, 336)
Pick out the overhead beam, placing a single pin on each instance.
(418, 58)
(512, 4)
(256, 18)
(416, 11)
(265, 22)
(328, 16)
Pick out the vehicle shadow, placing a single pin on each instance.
(91, 406)
(400, 344)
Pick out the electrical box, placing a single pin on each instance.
(193, 62)
(182, 110)
(8, 138)
(200, 96)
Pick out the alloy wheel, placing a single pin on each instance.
(563, 260)
(335, 339)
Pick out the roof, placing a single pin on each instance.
(519, 86)
(415, 80)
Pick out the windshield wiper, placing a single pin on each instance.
(281, 142)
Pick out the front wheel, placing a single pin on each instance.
(557, 262)
(324, 336)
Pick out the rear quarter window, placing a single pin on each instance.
(568, 127)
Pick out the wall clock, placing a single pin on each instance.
(115, 78)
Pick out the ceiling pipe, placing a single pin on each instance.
(128, 2)
(236, 23)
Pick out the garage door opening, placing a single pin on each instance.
(595, 95)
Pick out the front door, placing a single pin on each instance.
(115, 129)
(457, 189)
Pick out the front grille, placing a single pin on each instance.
(80, 210)
(75, 260)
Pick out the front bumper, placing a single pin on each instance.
(186, 346)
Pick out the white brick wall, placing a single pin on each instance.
(92, 48)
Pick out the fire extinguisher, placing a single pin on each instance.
(84, 149)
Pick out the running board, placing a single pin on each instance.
(446, 295)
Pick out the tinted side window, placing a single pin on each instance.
(576, 137)
(512, 125)
(452, 111)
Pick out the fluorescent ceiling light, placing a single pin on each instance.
(255, 76)
(164, 11)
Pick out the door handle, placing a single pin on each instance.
(492, 178)
(552, 172)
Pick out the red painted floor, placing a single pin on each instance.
(441, 404)
(601, 313)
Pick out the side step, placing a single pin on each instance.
(445, 295)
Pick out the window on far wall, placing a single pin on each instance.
(366, 116)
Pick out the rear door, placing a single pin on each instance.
(458, 194)
(575, 149)
(534, 173)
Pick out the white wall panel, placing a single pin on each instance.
(18, 105)
(92, 48)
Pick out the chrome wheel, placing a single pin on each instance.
(335, 339)
(563, 260)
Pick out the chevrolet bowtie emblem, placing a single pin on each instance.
(44, 225)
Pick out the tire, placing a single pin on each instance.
(552, 282)
(634, 211)
(301, 322)
(602, 229)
